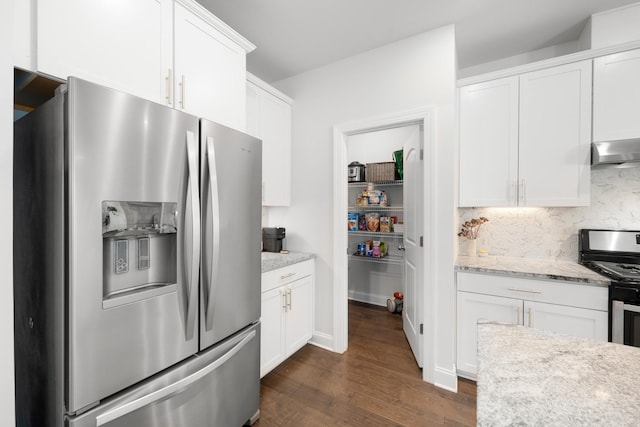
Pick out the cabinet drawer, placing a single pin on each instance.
(548, 291)
(282, 276)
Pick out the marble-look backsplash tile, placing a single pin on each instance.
(553, 232)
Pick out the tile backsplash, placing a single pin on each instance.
(552, 233)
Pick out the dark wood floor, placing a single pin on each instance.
(376, 382)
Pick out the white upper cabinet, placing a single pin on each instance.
(173, 52)
(616, 96)
(525, 140)
(489, 143)
(555, 136)
(269, 118)
(118, 44)
(209, 78)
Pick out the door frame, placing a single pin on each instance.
(419, 116)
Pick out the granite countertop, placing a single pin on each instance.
(274, 260)
(528, 377)
(530, 267)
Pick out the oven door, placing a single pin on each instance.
(625, 323)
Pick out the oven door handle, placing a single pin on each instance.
(617, 319)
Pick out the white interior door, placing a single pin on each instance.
(413, 214)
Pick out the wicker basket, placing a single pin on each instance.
(377, 172)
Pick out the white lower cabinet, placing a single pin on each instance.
(556, 306)
(287, 313)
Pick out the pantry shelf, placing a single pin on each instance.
(376, 234)
(375, 208)
(389, 259)
(365, 184)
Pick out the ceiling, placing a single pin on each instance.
(293, 36)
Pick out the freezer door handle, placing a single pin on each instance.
(214, 256)
(192, 278)
(165, 392)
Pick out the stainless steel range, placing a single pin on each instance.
(616, 254)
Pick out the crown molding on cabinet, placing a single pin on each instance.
(547, 63)
(268, 88)
(218, 24)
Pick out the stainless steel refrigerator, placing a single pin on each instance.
(136, 265)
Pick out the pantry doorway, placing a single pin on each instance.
(415, 267)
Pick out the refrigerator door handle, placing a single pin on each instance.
(192, 295)
(164, 392)
(214, 257)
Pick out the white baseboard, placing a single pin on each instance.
(368, 298)
(322, 340)
(446, 379)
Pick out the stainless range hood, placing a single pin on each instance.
(616, 154)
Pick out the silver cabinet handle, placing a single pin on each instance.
(214, 260)
(192, 295)
(169, 84)
(512, 191)
(289, 298)
(517, 315)
(529, 316)
(521, 190)
(164, 392)
(529, 291)
(283, 292)
(182, 91)
(286, 276)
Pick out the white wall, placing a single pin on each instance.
(523, 58)
(552, 233)
(378, 146)
(412, 73)
(6, 219)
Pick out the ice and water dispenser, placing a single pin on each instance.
(139, 250)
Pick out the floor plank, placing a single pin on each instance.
(376, 382)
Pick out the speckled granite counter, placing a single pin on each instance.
(528, 377)
(533, 268)
(273, 260)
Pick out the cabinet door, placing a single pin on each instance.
(252, 126)
(555, 138)
(299, 322)
(578, 322)
(119, 44)
(209, 70)
(616, 96)
(471, 308)
(489, 143)
(272, 345)
(275, 132)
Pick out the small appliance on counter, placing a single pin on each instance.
(356, 172)
(272, 238)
